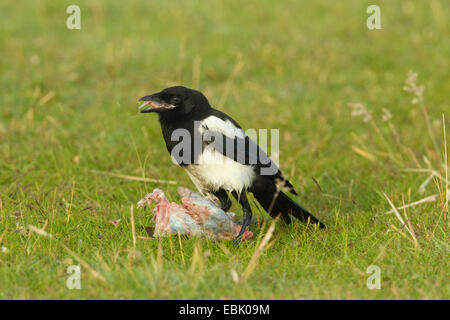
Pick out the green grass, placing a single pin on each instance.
(68, 106)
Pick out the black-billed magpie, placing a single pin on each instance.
(219, 157)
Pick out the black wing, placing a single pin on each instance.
(243, 150)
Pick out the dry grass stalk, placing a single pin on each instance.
(259, 250)
(410, 228)
(102, 261)
(445, 164)
(133, 230)
(46, 98)
(431, 198)
(424, 184)
(181, 248)
(133, 178)
(69, 210)
(145, 238)
(159, 255)
(43, 233)
(197, 261)
(430, 171)
(85, 265)
(364, 154)
(403, 224)
(3, 235)
(132, 253)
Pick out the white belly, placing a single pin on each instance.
(216, 171)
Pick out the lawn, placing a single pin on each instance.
(353, 142)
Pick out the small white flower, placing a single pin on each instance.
(412, 87)
(386, 115)
(358, 109)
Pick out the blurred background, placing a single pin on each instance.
(72, 94)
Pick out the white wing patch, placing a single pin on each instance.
(223, 126)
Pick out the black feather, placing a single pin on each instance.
(275, 202)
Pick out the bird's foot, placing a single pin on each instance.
(235, 242)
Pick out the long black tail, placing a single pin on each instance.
(280, 203)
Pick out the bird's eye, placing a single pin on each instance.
(175, 100)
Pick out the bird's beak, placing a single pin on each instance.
(154, 103)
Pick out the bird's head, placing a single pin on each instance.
(174, 101)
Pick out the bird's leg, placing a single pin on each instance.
(242, 198)
(225, 202)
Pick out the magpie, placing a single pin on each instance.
(219, 157)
